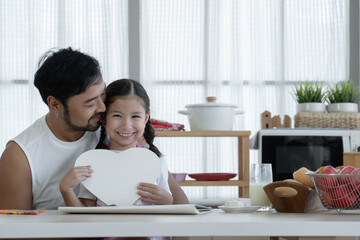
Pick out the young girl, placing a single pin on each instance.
(127, 122)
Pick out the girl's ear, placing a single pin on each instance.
(147, 116)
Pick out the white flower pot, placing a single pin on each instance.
(311, 107)
(343, 107)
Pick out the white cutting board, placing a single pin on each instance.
(117, 174)
(149, 209)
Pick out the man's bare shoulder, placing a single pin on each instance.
(13, 155)
(15, 178)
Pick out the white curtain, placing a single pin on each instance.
(29, 28)
(245, 52)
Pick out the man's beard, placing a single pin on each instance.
(88, 127)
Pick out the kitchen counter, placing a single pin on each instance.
(52, 224)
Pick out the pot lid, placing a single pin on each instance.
(211, 103)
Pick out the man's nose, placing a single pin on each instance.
(101, 105)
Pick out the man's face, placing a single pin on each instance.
(84, 111)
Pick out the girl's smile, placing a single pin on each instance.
(126, 134)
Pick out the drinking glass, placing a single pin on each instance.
(260, 175)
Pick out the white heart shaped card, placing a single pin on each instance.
(117, 174)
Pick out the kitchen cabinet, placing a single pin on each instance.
(243, 157)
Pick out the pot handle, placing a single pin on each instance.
(239, 112)
(185, 112)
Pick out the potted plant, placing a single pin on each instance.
(343, 97)
(310, 97)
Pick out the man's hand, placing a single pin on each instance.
(152, 193)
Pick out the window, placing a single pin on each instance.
(29, 29)
(248, 53)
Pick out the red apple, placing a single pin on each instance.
(347, 170)
(356, 171)
(326, 183)
(320, 169)
(356, 179)
(326, 196)
(343, 197)
(339, 168)
(346, 180)
(327, 170)
(357, 193)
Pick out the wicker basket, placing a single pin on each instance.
(327, 120)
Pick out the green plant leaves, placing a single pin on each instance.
(343, 91)
(309, 92)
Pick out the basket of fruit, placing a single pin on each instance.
(337, 188)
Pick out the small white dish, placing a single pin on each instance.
(239, 209)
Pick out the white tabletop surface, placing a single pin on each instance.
(51, 223)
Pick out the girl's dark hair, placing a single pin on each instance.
(125, 87)
(65, 73)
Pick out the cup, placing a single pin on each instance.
(260, 175)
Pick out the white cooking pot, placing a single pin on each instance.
(211, 116)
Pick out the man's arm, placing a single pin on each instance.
(15, 179)
(177, 192)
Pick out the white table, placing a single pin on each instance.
(53, 224)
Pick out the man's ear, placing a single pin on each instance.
(55, 106)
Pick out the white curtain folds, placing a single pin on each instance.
(29, 28)
(249, 53)
(244, 52)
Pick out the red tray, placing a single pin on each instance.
(212, 176)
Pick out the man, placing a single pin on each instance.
(35, 161)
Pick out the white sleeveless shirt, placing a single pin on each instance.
(50, 159)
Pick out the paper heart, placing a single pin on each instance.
(117, 174)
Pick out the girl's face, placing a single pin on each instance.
(125, 122)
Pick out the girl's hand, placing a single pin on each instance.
(74, 177)
(152, 193)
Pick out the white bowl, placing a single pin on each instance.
(179, 176)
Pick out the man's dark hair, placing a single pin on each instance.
(65, 73)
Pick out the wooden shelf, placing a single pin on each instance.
(202, 133)
(243, 157)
